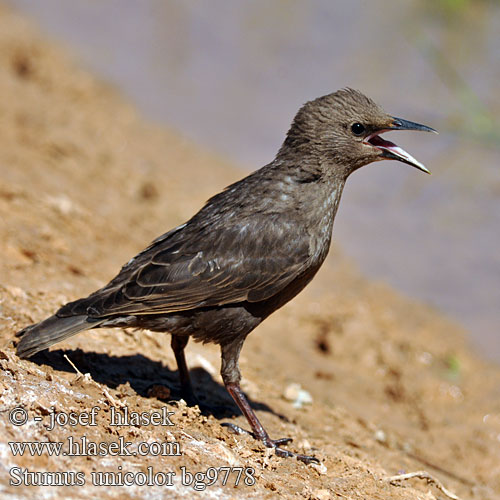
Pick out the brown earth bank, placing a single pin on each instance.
(85, 183)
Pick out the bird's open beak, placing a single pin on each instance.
(392, 151)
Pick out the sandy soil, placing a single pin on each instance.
(85, 183)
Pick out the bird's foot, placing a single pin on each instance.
(281, 452)
(236, 429)
(273, 443)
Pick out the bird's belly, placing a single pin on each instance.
(289, 292)
(217, 325)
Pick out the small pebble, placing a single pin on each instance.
(380, 436)
(298, 396)
(321, 494)
(160, 392)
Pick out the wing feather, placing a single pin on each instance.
(193, 267)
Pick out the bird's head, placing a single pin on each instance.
(344, 129)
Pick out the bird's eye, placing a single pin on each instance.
(357, 128)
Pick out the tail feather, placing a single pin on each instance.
(42, 335)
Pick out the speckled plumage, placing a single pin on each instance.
(246, 253)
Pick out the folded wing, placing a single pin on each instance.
(191, 267)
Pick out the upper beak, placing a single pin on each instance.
(400, 124)
(393, 152)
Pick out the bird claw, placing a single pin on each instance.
(290, 454)
(273, 443)
(277, 442)
(236, 429)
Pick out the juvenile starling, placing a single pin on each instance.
(247, 252)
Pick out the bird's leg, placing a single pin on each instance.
(231, 376)
(178, 344)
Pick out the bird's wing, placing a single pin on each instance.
(250, 260)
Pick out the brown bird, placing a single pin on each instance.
(247, 252)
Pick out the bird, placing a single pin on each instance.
(248, 251)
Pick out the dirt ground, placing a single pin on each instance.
(85, 183)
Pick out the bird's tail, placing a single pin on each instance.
(42, 335)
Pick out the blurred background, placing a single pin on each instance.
(230, 75)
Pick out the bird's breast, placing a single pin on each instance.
(321, 223)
